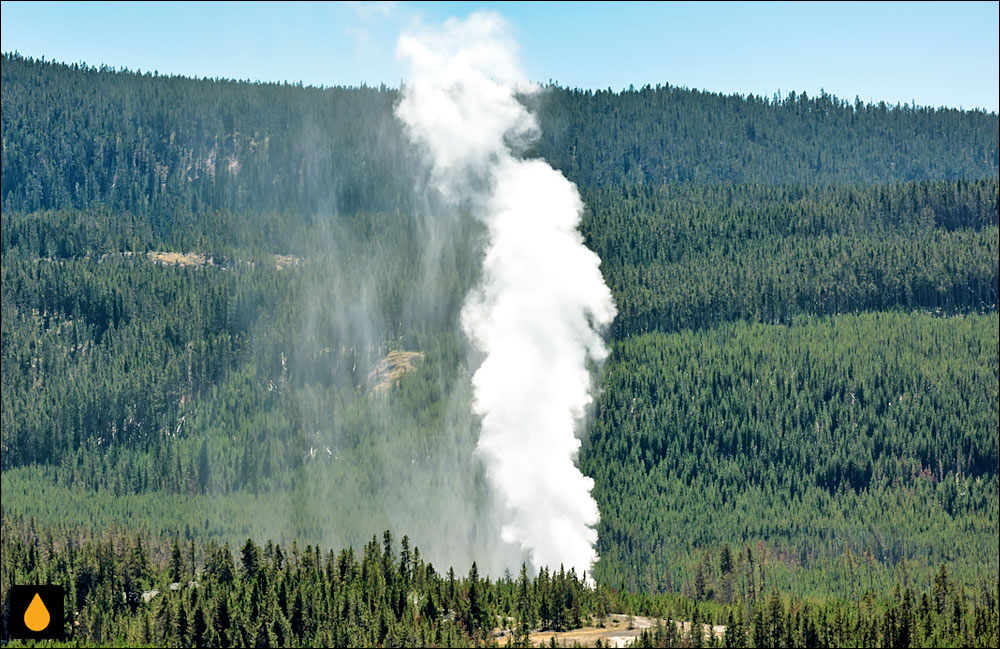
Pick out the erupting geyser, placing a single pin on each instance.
(538, 310)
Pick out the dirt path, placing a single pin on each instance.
(616, 632)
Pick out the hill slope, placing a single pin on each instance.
(784, 377)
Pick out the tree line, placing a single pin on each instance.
(127, 590)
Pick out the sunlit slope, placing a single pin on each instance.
(166, 145)
(834, 442)
(201, 279)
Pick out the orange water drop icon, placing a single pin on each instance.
(37, 616)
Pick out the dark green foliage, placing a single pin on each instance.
(169, 146)
(691, 256)
(826, 439)
(311, 599)
(320, 599)
(151, 145)
(796, 429)
(668, 134)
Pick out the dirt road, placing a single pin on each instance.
(616, 632)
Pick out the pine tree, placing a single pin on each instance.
(941, 588)
(250, 559)
(176, 563)
(297, 620)
(199, 627)
(405, 560)
(525, 607)
(182, 626)
(476, 620)
(222, 622)
(204, 476)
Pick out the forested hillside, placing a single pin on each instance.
(200, 594)
(836, 440)
(690, 256)
(155, 145)
(795, 436)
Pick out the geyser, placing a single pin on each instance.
(537, 313)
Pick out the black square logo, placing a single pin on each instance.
(36, 612)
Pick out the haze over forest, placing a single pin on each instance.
(239, 350)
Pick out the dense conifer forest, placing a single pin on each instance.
(229, 313)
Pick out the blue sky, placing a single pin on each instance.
(935, 54)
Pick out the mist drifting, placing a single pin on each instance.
(536, 314)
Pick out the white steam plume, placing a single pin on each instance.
(542, 300)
